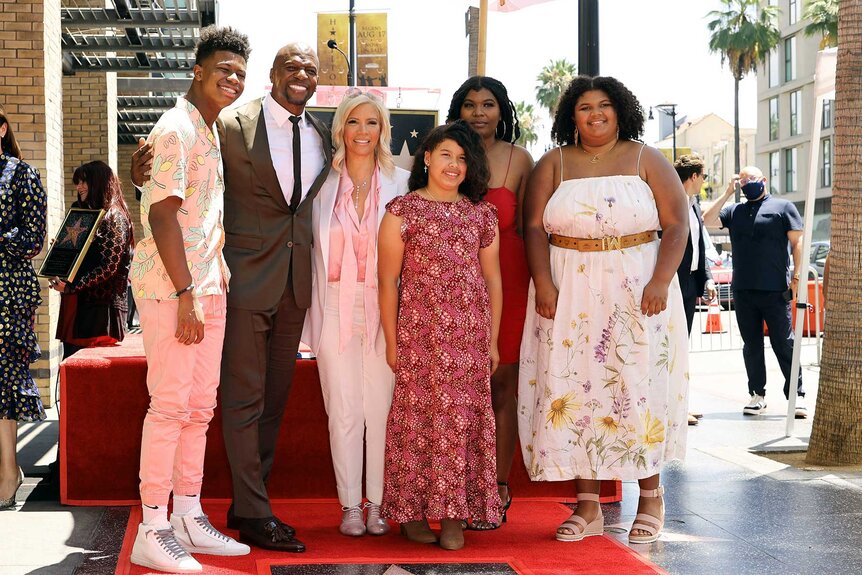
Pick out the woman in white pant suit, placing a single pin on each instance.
(342, 326)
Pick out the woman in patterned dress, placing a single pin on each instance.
(93, 308)
(23, 209)
(483, 103)
(604, 370)
(441, 324)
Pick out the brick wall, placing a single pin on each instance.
(31, 92)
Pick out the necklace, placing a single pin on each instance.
(596, 157)
(357, 188)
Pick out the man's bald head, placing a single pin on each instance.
(750, 172)
(294, 76)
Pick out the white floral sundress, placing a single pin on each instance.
(603, 389)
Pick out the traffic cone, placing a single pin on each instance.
(713, 318)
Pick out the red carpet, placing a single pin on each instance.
(104, 399)
(526, 543)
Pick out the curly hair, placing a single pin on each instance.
(383, 152)
(688, 165)
(103, 190)
(630, 114)
(216, 38)
(475, 184)
(508, 128)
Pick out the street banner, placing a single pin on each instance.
(371, 49)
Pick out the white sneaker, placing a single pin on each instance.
(159, 549)
(756, 406)
(197, 535)
(801, 412)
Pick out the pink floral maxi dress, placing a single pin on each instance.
(603, 389)
(440, 443)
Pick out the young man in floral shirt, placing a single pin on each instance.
(179, 279)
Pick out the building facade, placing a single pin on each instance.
(711, 136)
(785, 118)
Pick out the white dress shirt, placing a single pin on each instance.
(694, 225)
(279, 132)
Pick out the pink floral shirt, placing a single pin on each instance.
(186, 164)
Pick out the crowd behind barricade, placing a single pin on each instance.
(453, 309)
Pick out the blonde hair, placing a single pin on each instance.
(383, 153)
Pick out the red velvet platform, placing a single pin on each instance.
(103, 400)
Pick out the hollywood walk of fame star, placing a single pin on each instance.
(72, 233)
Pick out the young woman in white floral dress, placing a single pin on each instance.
(603, 383)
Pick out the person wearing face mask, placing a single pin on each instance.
(761, 230)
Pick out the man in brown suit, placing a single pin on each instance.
(268, 250)
(276, 156)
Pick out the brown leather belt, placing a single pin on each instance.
(604, 244)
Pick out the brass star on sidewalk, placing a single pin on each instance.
(72, 233)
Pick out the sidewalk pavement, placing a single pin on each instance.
(729, 510)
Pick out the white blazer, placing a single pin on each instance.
(321, 217)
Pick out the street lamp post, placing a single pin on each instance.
(670, 110)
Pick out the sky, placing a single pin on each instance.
(657, 48)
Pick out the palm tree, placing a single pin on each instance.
(553, 81)
(836, 435)
(743, 38)
(824, 21)
(528, 120)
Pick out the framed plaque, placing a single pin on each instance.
(71, 243)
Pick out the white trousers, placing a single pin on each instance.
(357, 392)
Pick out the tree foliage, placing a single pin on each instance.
(528, 121)
(824, 21)
(552, 82)
(742, 35)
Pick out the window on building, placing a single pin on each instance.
(790, 59)
(774, 64)
(790, 183)
(827, 113)
(773, 118)
(795, 113)
(826, 162)
(774, 173)
(793, 11)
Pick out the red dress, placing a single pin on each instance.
(514, 272)
(440, 442)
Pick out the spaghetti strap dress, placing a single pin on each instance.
(513, 271)
(603, 389)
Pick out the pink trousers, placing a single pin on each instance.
(182, 381)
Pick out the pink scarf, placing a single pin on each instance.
(355, 231)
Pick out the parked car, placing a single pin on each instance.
(722, 274)
(817, 258)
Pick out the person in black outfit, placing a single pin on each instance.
(693, 273)
(761, 231)
(94, 308)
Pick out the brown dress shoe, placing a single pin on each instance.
(692, 420)
(268, 534)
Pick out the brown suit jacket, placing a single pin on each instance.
(264, 241)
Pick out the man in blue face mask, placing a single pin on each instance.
(764, 230)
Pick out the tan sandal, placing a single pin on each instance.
(578, 525)
(646, 522)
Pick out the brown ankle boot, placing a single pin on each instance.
(452, 534)
(418, 531)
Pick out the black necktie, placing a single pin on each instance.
(296, 196)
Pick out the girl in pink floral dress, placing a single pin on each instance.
(440, 304)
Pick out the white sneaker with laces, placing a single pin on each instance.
(195, 532)
(159, 549)
(756, 406)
